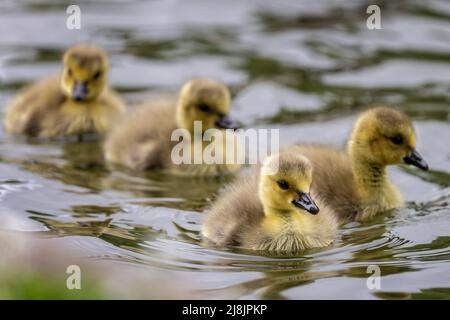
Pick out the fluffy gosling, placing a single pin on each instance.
(143, 140)
(355, 184)
(74, 102)
(281, 218)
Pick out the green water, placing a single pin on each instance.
(305, 67)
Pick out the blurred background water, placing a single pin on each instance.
(305, 67)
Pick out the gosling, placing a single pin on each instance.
(75, 102)
(281, 218)
(144, 139)
(355, 184)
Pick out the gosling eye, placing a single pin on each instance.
(97, 75)
(397, 139)
(204, 107)
(69, 72)
(283, 184)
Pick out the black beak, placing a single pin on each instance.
(416, 160)
(226, 122)
(80, 91)
(306, 202)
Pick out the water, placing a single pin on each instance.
(306, 68)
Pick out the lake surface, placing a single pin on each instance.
(305, 67)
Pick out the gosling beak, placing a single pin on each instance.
(416, 160)
(226, 122)
(80, 91)
(306, 202)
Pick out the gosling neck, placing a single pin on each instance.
(281, 223)
(180, 117)
(370, 176)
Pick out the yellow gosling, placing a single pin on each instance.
(75, 102)
(355, 184)
(143, 140)
(272, 211)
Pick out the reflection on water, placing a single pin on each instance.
(303, 67)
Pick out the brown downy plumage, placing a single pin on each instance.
(75, 102)
(271, 210)
(355, 184)
(143, 140)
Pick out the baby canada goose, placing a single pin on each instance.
(75, 102)
(355, 184)
(143, 140)
(280, 218)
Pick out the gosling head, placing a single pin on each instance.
(285, 183)
(207, 101)
(85, 71)
(385, 136)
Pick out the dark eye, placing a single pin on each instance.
(97, 75)
(397, 139)
(204, 107)
(69, 72)
(283, 184)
